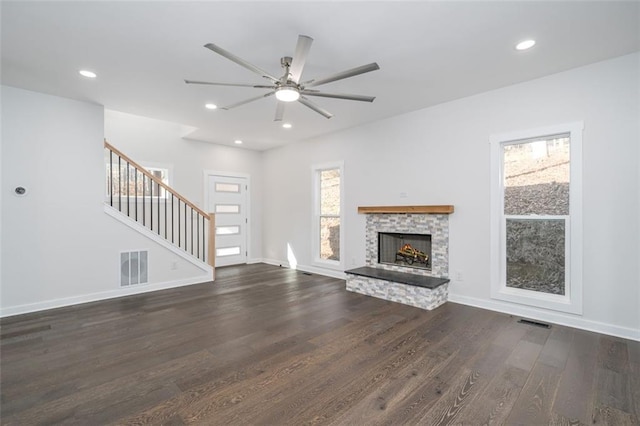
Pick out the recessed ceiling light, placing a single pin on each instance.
(211, 106)
(237, 142)
(525, 44)
(287, 125)
(87, 73)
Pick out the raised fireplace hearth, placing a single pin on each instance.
(409, 289)
(405, 246)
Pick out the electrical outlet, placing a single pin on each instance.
(404, 195)
(459, 276)
(174, 265)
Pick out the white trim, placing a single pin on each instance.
(121, 217)
(571, 302)
(103, 295)
(322, 271)
(305, 268)
(548, 316)
(205, 205)
(315, 223)
(273, 262)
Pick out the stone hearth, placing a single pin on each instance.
(400, 283)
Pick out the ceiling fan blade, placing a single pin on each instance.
(220, 51)
(306, 102)
(246, 101)
(280, 111)
(300, 57)
(342, 75)
(338, 96)
(229, 84)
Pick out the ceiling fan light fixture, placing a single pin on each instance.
(287, 94)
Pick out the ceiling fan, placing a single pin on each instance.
(289, 88)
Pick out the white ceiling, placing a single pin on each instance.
(428, 52)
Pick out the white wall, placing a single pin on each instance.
(148, 140)
(58, 245)
(440, 155)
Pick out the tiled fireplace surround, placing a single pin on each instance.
(435, 224)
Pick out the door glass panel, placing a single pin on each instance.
(227, 251)
(227, 230)
(227, 187)
(227, 208)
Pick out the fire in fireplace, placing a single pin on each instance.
(409, 250)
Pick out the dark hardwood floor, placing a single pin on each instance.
(273, 346)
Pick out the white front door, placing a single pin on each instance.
(228, 200)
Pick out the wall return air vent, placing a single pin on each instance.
(133, 268)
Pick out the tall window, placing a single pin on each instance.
(537, 213)
(327, 213)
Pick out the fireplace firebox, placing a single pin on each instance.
(408, 250)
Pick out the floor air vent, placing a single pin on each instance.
(535, 323)
(133, 268)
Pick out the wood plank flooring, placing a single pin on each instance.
(271, 346)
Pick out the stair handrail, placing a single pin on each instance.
(155, 179)
(210, 217)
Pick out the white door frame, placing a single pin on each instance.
(209, 173)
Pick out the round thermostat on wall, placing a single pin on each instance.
(20, 191)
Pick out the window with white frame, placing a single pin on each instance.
(327, 238)
(536, 223)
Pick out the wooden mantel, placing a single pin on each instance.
(446, 209)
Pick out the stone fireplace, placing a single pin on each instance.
(434, 225)
(399, 273)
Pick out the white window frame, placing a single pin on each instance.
(315, 237)
(571, 301)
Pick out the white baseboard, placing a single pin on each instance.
(547, 316)
(322, 271)
(306, 268)
(103, 295)
(274, 262)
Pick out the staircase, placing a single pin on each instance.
(141, 196)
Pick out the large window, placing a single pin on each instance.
(536, 253)
(327, 213)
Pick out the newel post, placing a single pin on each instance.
(212, 243)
